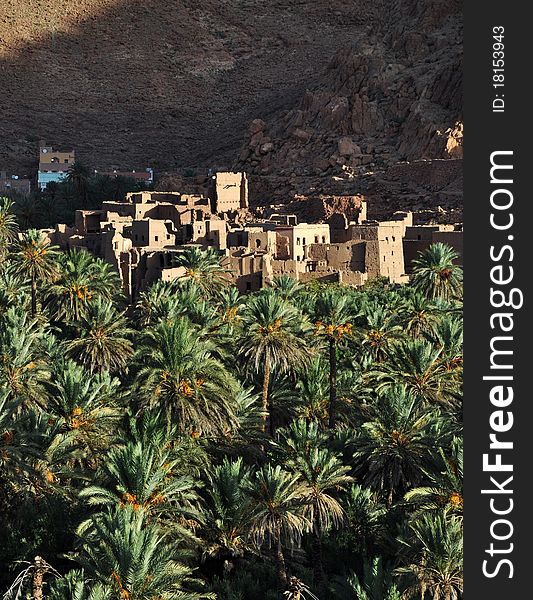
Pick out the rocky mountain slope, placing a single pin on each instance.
(309, 96)
(390, 100)
(169, 83)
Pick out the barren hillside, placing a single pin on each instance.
(307, 95)
(167, 82)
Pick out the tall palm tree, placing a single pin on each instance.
(103, 342)
(365, 519)
(447, 333)
(144, 477)
(204, 267)
(380, 331)
(286, 287)
(132, 557)
(394, 448)
(435, 275)
(157, 303)
(375, 584)
(313, 391)
(14, 291)
(76, 586)
(18, 444)
(248, 429)
(276, 498)
(179, 373)
(299, 439)
(227, 509)
(434, 557)
(35, 259)
(153, 428)
(78, 176)
(230, 309)
(422, 367)
(23, 368)
(334, 321)
(80, 279)
(84, 406)
(273, 337)
(322, 473)
(418, 314)
(445, 489)
(8, 226)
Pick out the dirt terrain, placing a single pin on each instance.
(307, 96)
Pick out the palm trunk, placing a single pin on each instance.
(266, 379)
(37, 579)
(280, 561)
(318, 568)
(271, 417)
(332, 382)
(33, 296)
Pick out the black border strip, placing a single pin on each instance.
(486, 132)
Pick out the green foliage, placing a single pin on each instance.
(133, 440)
(435, 275)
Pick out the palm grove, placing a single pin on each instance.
(297, 442)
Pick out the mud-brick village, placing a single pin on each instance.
(231, 300)
(321, 236)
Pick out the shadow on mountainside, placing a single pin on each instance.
(166, 83)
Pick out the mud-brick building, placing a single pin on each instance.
(349, 253)
(419, 237)
(228, 192)
(142, 235)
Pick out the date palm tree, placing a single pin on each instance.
(230, 309)
(227, 509)
(23, 368)
(103, 342)
(445, 489)
(35, 259)
(78, 176)
(277, 506)
(418, 314)
(14, 292)
(286, 287)
(375, 584)
(248, 430)
(447, 333)
(18, 445)
(422, 367)
(8, 227)
(148, 478)
(365, 520)
(130, 555)
(80, 279)
(157, 303)
(179, 373)
(433, 557)
(75, 585)
(322, 472)
(313, 391)
(380, 330)
(84, 406)
(204, 267)
(435, 275)
(334, 321)
(273, 337)
(394, 448)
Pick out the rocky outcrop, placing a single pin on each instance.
(394, 95)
